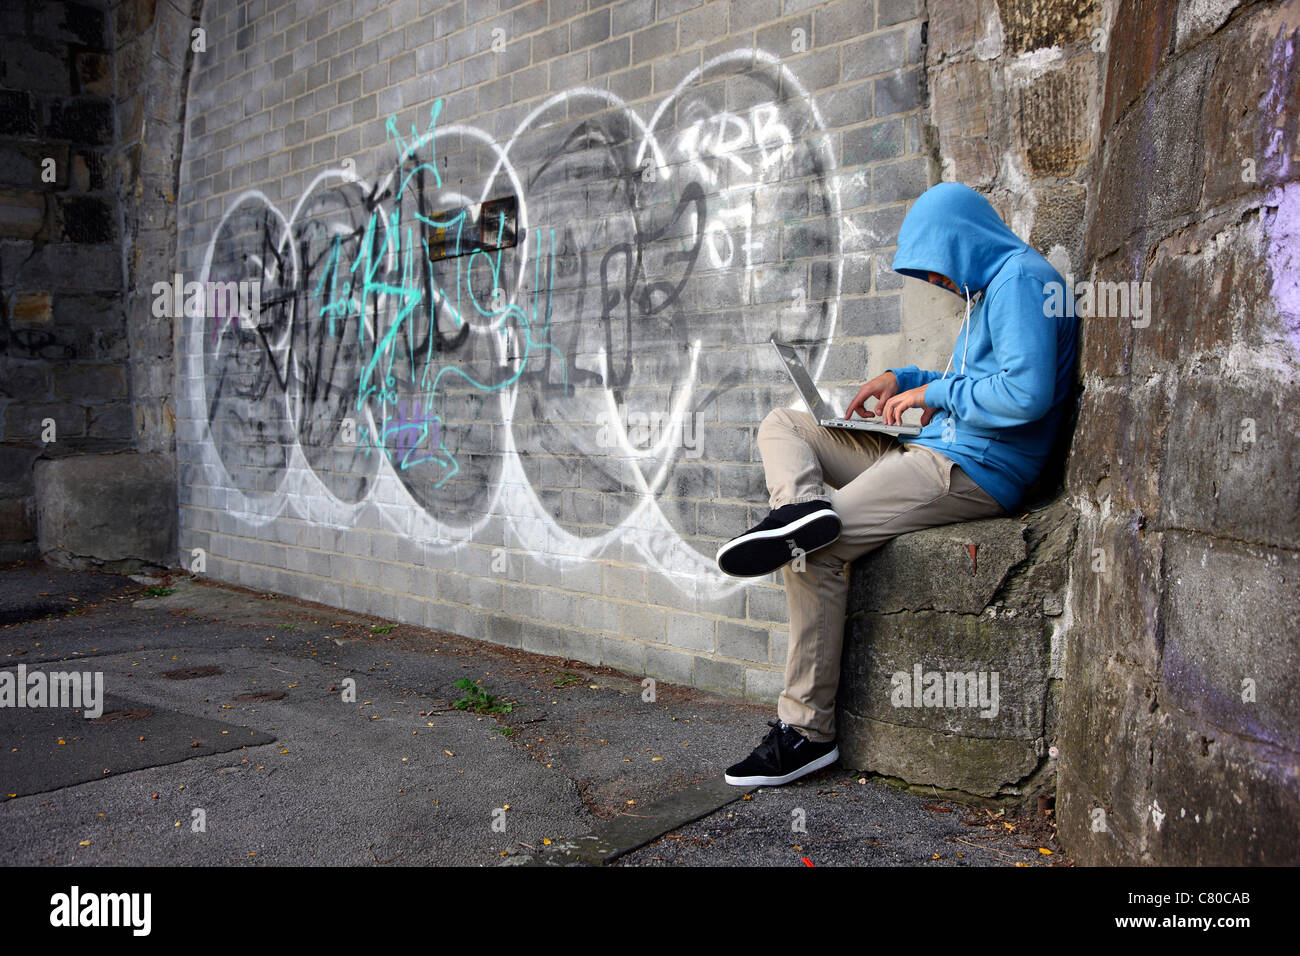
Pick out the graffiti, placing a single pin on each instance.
(34, 343)
(454, 342)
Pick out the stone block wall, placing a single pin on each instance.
(63, 343)
(952, 657)
(1179, 720)
(512, 270)
(1014, 88)
(91, 98)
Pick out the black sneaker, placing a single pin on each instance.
(784, 755)
(778, 538)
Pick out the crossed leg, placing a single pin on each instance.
(880, 488)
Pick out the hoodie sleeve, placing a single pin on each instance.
(1024, 347)
(912, 377)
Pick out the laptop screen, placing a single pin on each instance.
(798, 372)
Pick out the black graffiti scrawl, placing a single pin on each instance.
(407, 356)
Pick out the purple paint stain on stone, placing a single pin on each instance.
(1282, 229)
(1282, 240)
(1220, 706)
(1274, 118)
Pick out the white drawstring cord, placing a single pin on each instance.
(965, 322)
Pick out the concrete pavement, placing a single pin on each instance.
(229, 737)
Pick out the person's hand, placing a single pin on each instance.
(891, 410)
(884, 386)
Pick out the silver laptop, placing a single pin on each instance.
(803, 382)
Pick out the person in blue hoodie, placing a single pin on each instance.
(990, 421)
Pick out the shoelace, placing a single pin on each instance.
(771, 744)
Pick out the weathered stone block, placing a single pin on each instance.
(17, 520)
(1171, 792)
(956, 28)
(1232, 448)
(1105, 743)
(107, 511)
(70, 22)
(89, 383)
(1197, 19)
(925, 758)
(976, 630)
(31, 308)
(1116, 588)
(1119, 441)
(16, 469)
(1153, 167)
(1056, 113)
(1111, 680)
(1058, 218)
(1139, 37)
(114, 421)
(17, 113)
(21, 165)
(87, 120)
(22, 214)
(86, 219)
(1221, 596)
(29, 421)
(880, 679)
(1034, 24)
(1210, 291)
(1220, 800)
(962, 104)
(961, 567)
(24, 379)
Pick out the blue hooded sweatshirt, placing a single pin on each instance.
(1012, 364)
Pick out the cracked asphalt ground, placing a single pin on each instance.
(230, 709)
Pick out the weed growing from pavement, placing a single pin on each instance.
(479, 700)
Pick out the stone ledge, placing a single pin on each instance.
(975, 598)
(111, 512)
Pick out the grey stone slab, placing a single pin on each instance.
(48, 748)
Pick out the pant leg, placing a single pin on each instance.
(801, 457)
(906, 488)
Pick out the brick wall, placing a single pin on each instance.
(509, 271)
(63, 344)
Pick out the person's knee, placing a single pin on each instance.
(780, 420)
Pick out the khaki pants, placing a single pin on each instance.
(882, 488)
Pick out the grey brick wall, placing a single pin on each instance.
(539, 444)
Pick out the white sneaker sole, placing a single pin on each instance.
(825, 760)
(783, 532)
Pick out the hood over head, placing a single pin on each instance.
(954, 231)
